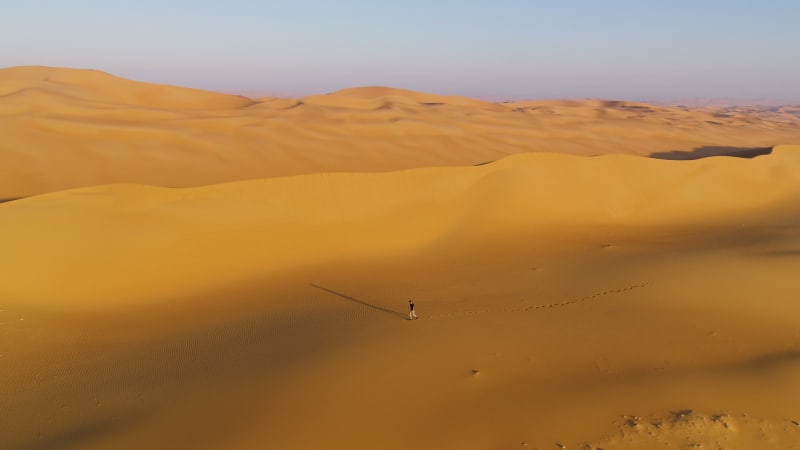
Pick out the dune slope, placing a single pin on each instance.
(66, 128)
(613, 302)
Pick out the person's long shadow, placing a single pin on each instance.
(361, 302)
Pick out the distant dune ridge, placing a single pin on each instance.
(65, 128)
(610, 302)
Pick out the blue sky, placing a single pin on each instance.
(635, 50)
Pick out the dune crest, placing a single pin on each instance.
(506, 198)
(94, 86)
(66, 128)
(373, 92)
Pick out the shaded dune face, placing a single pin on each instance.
(302, 221)
(612, 302)
(66, 128)
(615, 301)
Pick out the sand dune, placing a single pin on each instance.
(608, 302)
(95, 88)
(66, 128)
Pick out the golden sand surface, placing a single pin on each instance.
(565, 301)
(66, 128)
(614, 302)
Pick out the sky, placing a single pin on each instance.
(494, 49)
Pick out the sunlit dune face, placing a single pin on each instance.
(71, 128)
(644, 298)
(616, 301)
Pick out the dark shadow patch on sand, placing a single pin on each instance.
(713, 150)
(296, 105)
(482, 164)
(361, 302)
(789, 356)
(10, 199)
(787, 252)
(83, 433)
(635, 108)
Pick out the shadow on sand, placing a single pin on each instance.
(6, 200)
(708, 151)
(84, 432)
(361, 302)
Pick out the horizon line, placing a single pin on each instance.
(256, 94)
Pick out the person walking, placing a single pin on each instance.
(411, 313)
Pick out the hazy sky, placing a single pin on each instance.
(637, 49)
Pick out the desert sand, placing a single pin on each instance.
(565, 301)
(66, 128)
